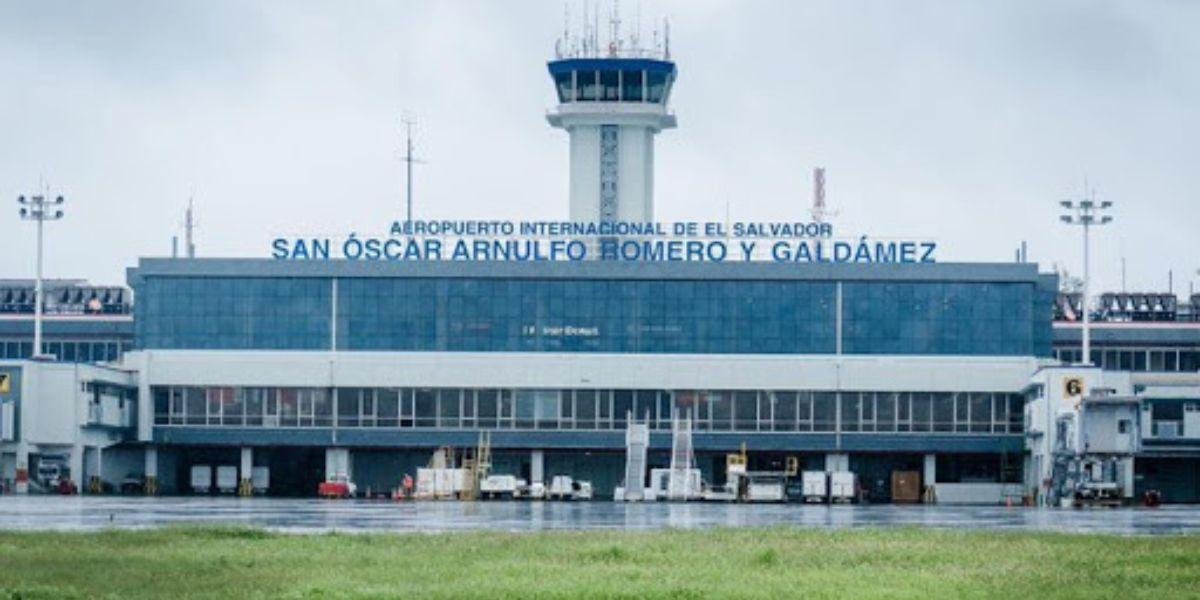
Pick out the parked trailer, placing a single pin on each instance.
(201, 479)
(843, 486)
(765, 488)
(498, 487)
(227, 479)
(816, 486)
(260, 479)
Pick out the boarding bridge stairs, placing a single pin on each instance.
(683, 459)
(637, 441)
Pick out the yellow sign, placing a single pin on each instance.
(5, 383)
(1072, 387)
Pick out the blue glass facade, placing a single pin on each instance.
(211, 313)
(937, 318)
(631, 308)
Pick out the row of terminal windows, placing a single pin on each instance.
(82, 351)
(612, 86)
(456, 408)
(1136, 359)
(557, 315)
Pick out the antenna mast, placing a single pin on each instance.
(408, 159)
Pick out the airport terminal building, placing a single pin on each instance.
(966, 374)
(879, 366)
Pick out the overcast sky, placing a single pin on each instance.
(963, 122)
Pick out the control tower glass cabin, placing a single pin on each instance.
(612, 107)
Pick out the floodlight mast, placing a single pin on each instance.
(1086, 213)
(37, 208)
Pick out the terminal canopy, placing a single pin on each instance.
(613, 80)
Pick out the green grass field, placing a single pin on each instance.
(774, 563)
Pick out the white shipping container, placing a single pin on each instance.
(445, 482)
(560, 487)
(260, 479)
(201, 479)
(769, 490)
(842, 485)
(227, 479)
(815, 486)
(426, 480)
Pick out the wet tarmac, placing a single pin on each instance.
(302, 515)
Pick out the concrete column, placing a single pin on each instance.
(95, 467)
(151, 470)
(1127, 478)
(929, 478)
(537, 466)
(76, 466)
(837, 461)
(21, 479)
(245, 485)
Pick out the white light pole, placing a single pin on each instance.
(37, 208)
(1086, 212)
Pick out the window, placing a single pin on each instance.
(622, 407)
(610, 86)
(981, 413)
(824, 406)
(425, 408)
(562, 82)
(785, 410)
(921, 412)
(487, 408)
(585, 409)
(746, 413)
(449, 408)
(632, 86)
(850, 414)
(943, 412)
(587, 86)
(656, 87)
(348, 406)
(721, 407)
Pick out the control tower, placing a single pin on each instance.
(612, 100)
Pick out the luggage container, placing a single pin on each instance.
(816, 486)
(843, 486)
(201, 479)
(560, 488)
(906, 487)
(227, 479)
(260, 479)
